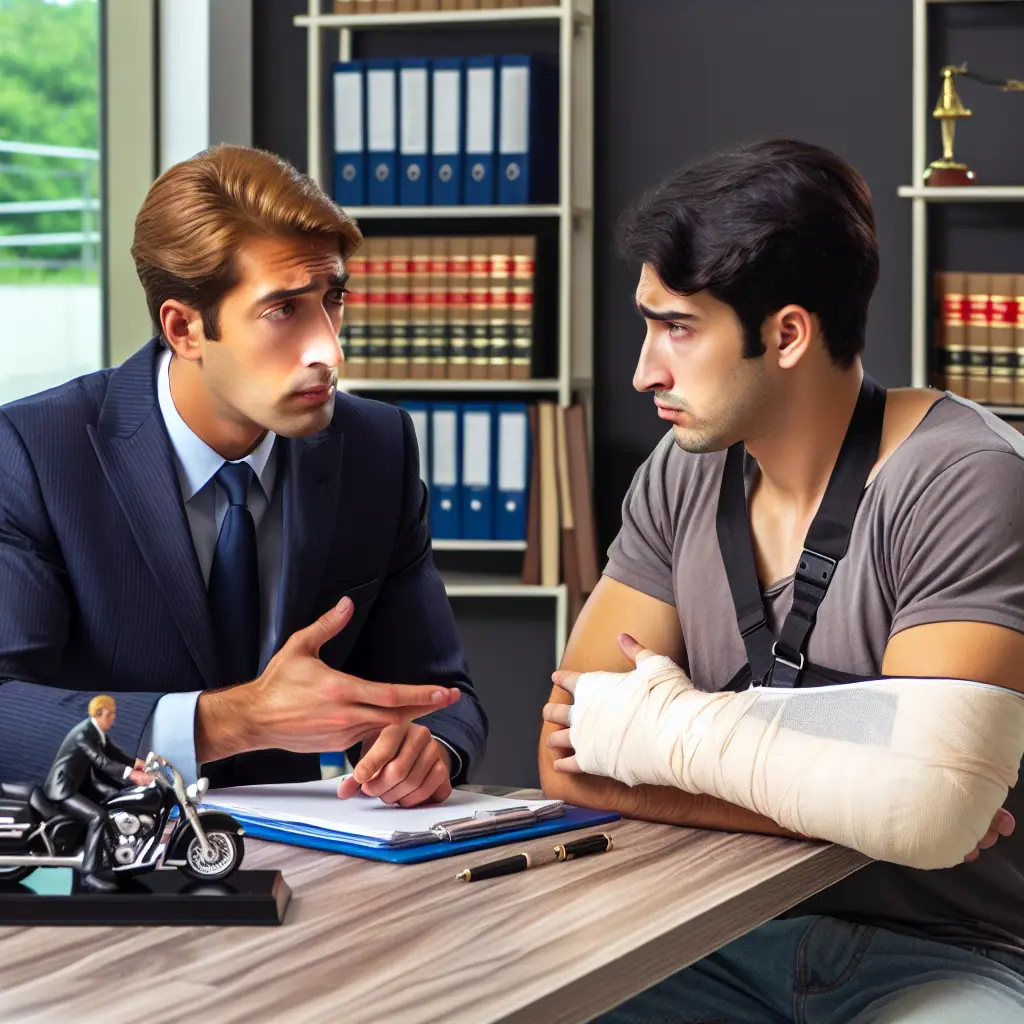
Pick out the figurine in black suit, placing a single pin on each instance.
(88, 769)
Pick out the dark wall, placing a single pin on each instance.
(676, 79)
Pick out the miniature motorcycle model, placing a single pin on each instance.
(155, 826)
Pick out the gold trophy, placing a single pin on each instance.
(949, 110)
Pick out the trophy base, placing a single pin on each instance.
(55, 896)
(941, 176)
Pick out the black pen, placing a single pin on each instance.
(599, 843)
(506, 866)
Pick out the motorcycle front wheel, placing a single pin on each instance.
(228, 851)
(10, 875)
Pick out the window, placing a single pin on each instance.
(50, 305)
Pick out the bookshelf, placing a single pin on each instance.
(920, 196)
(572, 214)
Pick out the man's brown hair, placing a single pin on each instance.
(199, 212)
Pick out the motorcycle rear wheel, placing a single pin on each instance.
(10, 875)
(229, 849)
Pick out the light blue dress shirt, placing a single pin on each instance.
(171, 728)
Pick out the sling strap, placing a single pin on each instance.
(781, 662)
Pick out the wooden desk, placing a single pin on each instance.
(368, 942)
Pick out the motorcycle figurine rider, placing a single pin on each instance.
(88, 769)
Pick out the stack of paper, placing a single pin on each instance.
(314, 811)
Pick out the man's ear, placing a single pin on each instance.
(182, 326)
(791, 333)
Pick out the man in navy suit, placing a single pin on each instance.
(214, 535)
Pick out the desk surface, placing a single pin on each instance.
(371, 942)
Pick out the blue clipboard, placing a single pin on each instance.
(573, 818)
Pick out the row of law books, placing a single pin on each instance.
(513, 471)
(978, 336)
(445, 131)
(411, 6)
(440, 308)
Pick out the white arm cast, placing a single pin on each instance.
(906, 770)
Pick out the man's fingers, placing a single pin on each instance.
(383, 751)
(557, 713)
(403, 696)
(565, 679)
(400, 766)
(568, 764)
(632, 649)
(433, 786)
(332, 622)
(396, 785)
(560, 740)
(1003, 822)
(348, 788)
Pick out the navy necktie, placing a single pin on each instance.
(234, 589)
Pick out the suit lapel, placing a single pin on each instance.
(134, 453)
(312, 483)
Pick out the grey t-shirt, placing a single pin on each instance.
(938, 536)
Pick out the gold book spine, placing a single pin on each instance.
(479, 308)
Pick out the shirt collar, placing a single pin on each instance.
(195, 461)
(103, 735)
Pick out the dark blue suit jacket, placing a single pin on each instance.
(101, 590)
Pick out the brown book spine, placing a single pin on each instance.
(406, 6)
(531, 557)
(467, 5)
(500, 359)
(458, 308)
(355, 323)
(377, 260)
(954, 333)
(419, 309)
(479, 308)
(550, 569)
(977, 337)
(1018, 339)
(523, 260)
(569, 553)
(584, 516)
(510, 3)
(439, 345)
(449, 5)
(344, 6)
(938, 360)
(399, 342)
(364, 6)
(428, 5)
(384, 7)
(489, 5)
(1001, 344)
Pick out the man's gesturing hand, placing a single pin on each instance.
(301, 704)
(405, 765)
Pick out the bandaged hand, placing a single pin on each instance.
(908, 770)
(614, 715)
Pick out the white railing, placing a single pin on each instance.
(87, 239)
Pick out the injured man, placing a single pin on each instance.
(811, 621)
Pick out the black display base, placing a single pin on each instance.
(54, 896)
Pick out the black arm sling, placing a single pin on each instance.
(783, 662)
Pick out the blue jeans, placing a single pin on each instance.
(819, 970)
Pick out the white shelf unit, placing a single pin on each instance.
(495, 210)
(408, 384)
(920, 195)
(574, 208)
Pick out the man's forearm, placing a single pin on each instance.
(661, 804)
